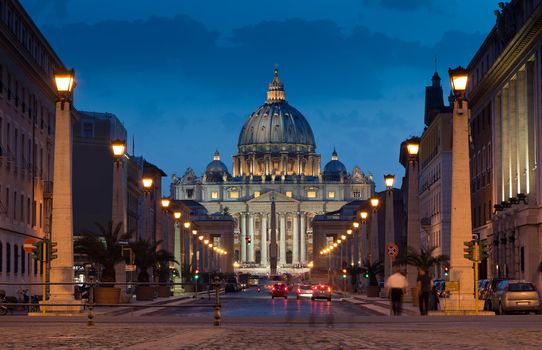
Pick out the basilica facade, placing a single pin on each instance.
(276, 160)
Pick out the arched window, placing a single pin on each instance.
(289, 257)
(8, 257)
(23, 256)
(15, 258)
(258, 257)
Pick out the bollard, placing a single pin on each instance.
(90, 316)
(217, 302)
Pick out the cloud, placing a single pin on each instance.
(405, 5)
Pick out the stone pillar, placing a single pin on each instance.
(282, 251)
(250, 247)
(263, 240)
(303, 232)
(390, 232)
(242, 239)
(295, 245)
(119, 216)
(461, 224)
(177, 254)
(62, 214)
(413, 219)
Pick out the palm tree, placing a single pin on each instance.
(424, 260)
(163, 258)
(147, 256)
(103, 249)
(372, 269)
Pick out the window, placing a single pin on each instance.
(331, 194)
(8, 257)
(214, 195)
(234, 194)
(87, 129)
(23, 265)
(189, 193)
(256, 194)
(289, 194)
(35, 267)
(356, 193)
(1, 257)
(21, 218)
(14, 205)
(15, 258)
(311, 194)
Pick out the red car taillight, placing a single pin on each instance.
(273, 288)
(314, 288)
(329, 289)
(298, 290)
(286, 288)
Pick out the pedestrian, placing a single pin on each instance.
(396, 284)
(424, 290)
(435, 302)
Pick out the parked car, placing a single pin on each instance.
(483, 285)
(490, 291)
(279, 290)
(303, 290)
(321, 291)
(515, 296)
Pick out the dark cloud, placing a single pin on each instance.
(405, 5)
(40, 9)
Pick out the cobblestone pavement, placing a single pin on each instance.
(382, 333)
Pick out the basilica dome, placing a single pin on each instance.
(277, 123)
(216, 171)
(334, 169)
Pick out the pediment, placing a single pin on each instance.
(268, 197)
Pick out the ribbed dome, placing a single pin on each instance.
(334, 169)
(216, 170)
(276, 122)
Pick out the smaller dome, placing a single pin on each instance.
(334, 169)
(216, 170)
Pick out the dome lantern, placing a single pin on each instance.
(275, 92)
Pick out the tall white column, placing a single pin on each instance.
(263, 240)
(177, 288)
(295, 245)
(250, 247)
(282, 251)
(390, 231)
(413, 219)
(242, 239)
(303, 248)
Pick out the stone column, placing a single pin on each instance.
(242, 239)
(263, 240)
(390, 232)
(461, 224)
(282, 251)
(177, 288)
(119, 216)
(250, 247)
(295, 245)
(303, 231)
(413, 220)
(62, 214)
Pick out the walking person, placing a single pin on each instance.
(424, 290)
(396, 284)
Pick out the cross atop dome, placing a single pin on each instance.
(275, 92)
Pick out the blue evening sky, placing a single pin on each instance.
(184, 75)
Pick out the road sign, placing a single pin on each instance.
(130, 268)
(392, 250)
(123, 242)
(28, 245)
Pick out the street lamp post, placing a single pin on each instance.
(413, 210)
(177, 252)
(461, 225)
(185, 244)
(389, 180)
(374, 228)
(62, 212)
(363, 216)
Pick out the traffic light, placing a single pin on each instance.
(248, 239)
(196, 274)
(366, 275)
(344, 273)
(446, 271)
(38, 253)
(483, 250)
(469, 250)
(51, 250)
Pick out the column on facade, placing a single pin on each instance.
(295, 245)
(250, 247)
(242, 238)
(303, 232)
(282, 250)
(264, 248)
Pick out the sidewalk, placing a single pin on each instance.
(380, 305)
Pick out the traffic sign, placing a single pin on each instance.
(123, 242)
(392, 250)
(29, 246)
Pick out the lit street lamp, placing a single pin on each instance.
(374, 228)
(363, 216)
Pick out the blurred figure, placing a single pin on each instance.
(424, 290)
(396, 285)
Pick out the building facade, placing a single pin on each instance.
(276, 160)
(506, 113)
(435, 168)
(27, 110)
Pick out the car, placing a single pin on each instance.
(515, 296)
(232, 284)
(253, 280)
(483, 285)
(490, 291)
(279, 290)
(303, 290)
(321, 291)
(243, 280)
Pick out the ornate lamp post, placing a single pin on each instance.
(363, 216)
(374, 228)
(413, 210)
(185, 242)
(389, 180)
(461, 224)
(62, 213)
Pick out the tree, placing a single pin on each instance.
(163, 258)
(373, 269)
(147, 256)
(424, 260)
(103, 249)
